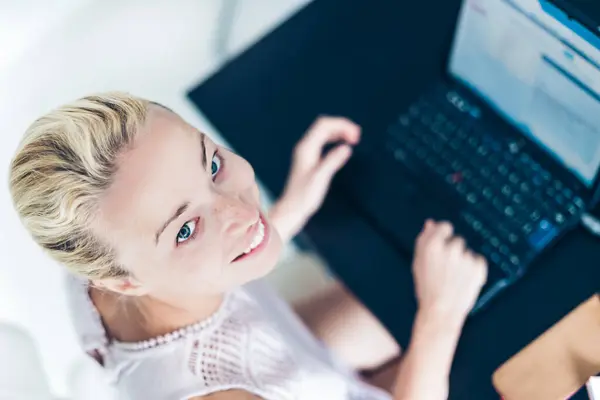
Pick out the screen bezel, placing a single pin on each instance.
(589, 193)
(588, 15)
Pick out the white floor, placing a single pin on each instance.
(56, 51)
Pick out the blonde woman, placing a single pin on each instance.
(163, 233)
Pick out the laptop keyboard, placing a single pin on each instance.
(513, 206)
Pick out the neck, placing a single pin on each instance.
(133, 319)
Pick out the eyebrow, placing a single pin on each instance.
(203, 146)
(182, 208)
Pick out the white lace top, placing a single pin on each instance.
(254, 342)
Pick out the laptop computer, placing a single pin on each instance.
(506, 145)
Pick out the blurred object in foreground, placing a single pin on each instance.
(559, 362)
(21, 373)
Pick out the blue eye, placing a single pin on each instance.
(186, 231)
(215, 165)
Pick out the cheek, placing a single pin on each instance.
(201, 263)
(238, 170)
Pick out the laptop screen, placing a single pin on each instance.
(537, 72)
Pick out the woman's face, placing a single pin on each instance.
(183, 214)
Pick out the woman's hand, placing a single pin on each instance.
(312, 172)
(448, 276)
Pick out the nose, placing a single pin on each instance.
(235, 215)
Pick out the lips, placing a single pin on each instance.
(258, 241)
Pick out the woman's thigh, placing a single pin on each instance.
(346, 326)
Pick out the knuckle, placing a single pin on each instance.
(458, 243)
(445, 225)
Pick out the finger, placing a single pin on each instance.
(326, 130)
(332, 163)
(427, 231)
(443, 231)
(457, 246)
(482, 266)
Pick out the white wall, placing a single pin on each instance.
(55, 53)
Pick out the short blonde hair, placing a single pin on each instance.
(65, 161)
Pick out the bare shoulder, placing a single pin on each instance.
(229, 395)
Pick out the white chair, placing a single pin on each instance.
(22, 376)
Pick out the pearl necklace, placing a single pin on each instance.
(175, 335)
(170, 337)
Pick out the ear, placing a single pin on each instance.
(128, 286)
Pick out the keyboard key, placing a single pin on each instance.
(506, 190)
(477, 184)
(487, 193)
(472, 198)
(572, 209)
(509, 211)
(513, 238)
(404, 120)
(399, 154)
(517, 198)
(498, 204)
(440, 118)
(543, 234)
(559, 218)
(578, 202)
(486, 249)
(441, 170)
(567, 193)
(546, 175)
(558, 185)
(495, 258)
(485, 234)
(494, 158)
(559, 199)
(450, 127)
(513, 178)
(535, 216)
(502, 169)
(426, 119)
(506, 267)
(427, 139)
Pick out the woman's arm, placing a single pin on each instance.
(448, 279)
(425, 367)
(312, 172)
